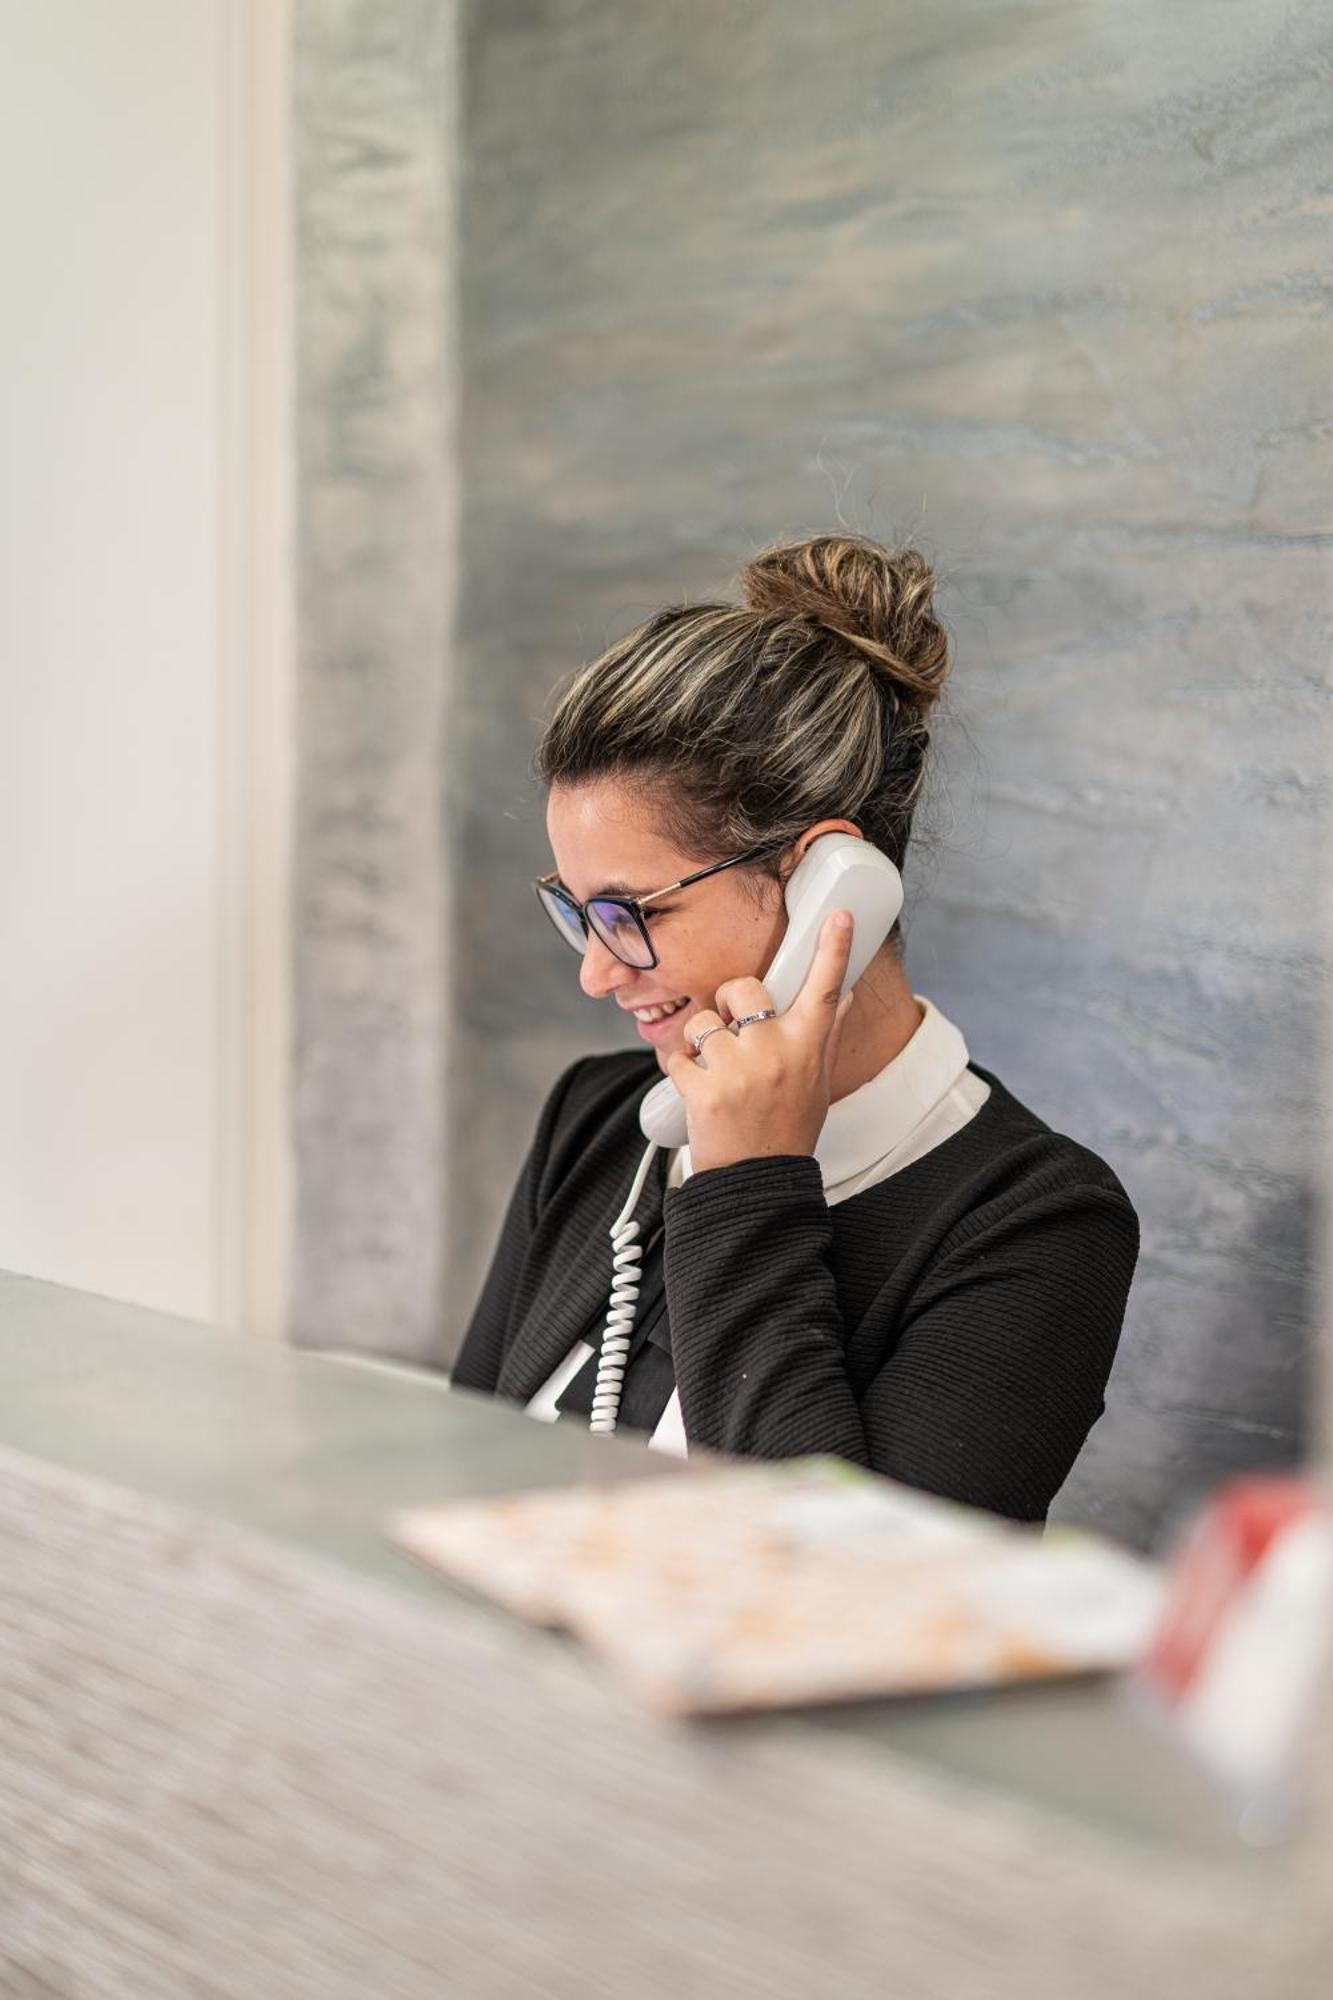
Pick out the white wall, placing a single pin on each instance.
(122, 581)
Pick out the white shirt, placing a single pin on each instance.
(919, 1099)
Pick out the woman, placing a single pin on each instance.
(869, 1247)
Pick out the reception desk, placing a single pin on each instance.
(251, 1748)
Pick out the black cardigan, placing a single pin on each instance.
(952, 1326)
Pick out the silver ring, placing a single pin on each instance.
(764, 1014)
(699, 1040)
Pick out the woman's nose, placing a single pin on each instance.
(601, 971)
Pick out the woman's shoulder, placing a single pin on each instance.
(1012, 1145)
(595, 1081)
(592, 1100)
(1006, 1153)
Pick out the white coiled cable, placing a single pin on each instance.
(626, 1253)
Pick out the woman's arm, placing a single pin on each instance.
(996, 1377)
(481, 1352)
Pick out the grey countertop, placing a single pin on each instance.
(315, 1451)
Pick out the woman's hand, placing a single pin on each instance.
(765, 1089)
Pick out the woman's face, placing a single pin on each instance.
(603, 842)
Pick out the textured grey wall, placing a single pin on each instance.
(374, 138)
(1044, 287)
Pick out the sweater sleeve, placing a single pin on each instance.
(477, 1364)
(996, 1372)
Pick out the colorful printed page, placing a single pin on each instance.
(803, 1580)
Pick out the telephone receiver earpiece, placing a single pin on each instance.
(837, 872)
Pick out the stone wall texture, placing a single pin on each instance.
(374, 133)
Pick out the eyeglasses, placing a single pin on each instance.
(619, 920)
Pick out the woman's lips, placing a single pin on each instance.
(659, 1031)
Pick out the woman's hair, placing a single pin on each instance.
(746, 724)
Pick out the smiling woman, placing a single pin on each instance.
(868, 1245)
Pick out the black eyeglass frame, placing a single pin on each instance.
(634, 904)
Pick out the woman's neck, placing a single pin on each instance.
(879, 1024)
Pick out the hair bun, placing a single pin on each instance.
(878, 599)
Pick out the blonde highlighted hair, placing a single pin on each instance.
(746, 724)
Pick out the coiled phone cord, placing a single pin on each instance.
(626, 1253)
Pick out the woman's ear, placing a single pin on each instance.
(813, 833)
(794, 856)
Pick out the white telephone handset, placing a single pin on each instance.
(837, 872)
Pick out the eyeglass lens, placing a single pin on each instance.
(614, 925)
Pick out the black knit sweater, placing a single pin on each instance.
(952, 1326)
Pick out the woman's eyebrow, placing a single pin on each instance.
(607, 889)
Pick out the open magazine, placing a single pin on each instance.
(774, 1584)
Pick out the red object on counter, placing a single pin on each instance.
(1218, 1552)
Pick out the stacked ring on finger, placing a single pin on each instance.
(764, 1014)
(699, 1040)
